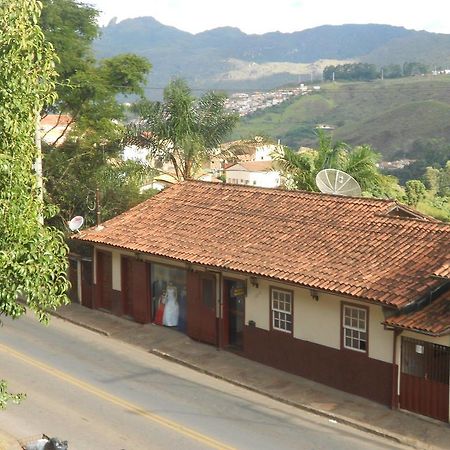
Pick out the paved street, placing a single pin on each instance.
(99, 393)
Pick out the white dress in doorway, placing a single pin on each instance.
(171, 309)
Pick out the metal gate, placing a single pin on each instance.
(424, 379)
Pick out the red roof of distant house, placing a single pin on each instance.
(434, 319)
(56, 120)
(356, 247)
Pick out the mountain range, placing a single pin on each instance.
(230, 60)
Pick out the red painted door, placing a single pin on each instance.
(127, 287)
(139, 295)
(104, 280)
(201, 309)
(208, 310)
(424, 379)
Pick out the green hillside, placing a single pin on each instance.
(389, 115)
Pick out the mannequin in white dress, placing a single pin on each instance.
(171, 309)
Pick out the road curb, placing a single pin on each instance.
(80, 324)
(319, 412)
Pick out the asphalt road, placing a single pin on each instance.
(99, 393)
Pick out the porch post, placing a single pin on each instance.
(395, 371)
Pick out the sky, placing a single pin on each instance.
(260, 16)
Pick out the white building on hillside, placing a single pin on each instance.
(253, 173)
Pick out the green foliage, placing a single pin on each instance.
(183, 130)
(392, 71)
(88, 92)
(437, 207)
(6, 396)
(432, 179)
(414, 191)
(300, 168)
(392, 116)
(33, 257)
(76, 169)
(71, 28)
(88, 89)
(351, 72)
(414, 68)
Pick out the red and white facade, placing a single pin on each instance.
(320, 286)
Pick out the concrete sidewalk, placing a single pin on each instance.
(314, 397)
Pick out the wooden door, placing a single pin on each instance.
(86, 282)
(140, 291)
(424, 378)
(127, 286)
(104, 280)
(201, 307)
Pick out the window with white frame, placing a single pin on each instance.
(281, 310)
(355, 328)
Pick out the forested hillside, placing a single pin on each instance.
(390, 115)
(228, 59)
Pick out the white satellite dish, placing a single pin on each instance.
(76, 223)
(337, 182)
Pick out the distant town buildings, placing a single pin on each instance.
(244, 103)
(392, 165)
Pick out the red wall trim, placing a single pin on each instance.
(345, 370)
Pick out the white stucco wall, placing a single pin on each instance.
(264, 152)
(270, 179)
(265, 179)
(257, 305)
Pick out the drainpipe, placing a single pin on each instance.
(394, 397)
(220, 324)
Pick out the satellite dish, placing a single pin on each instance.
(334, 181)
(76, 223)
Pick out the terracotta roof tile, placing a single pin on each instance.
(443, 271)
(345, 245)
(434, 319)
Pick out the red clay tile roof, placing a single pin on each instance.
(443, 271)
(56, 120)
(434, 319)
(349, 246)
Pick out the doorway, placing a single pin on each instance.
(424, 379)
(234, 313)
(201, 307)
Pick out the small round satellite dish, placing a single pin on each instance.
(76, 223)
(337, 182)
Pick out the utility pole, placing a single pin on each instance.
(38, 166)
(97, 209)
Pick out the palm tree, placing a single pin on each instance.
(182, 129)
(301, 168)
